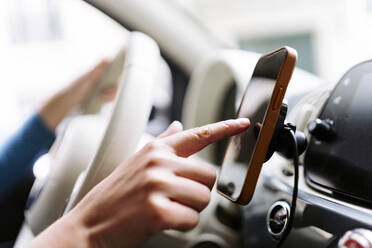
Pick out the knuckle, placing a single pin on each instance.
(151, 203)
(156, 159)
(152, 181)
(226, 124)
(204, 134)
(157, 214)
(147, 176)
(153, 145)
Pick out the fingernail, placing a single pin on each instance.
(243, 121)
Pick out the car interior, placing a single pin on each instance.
(169, 65)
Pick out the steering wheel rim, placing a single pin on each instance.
(115, 142)
(136, 97)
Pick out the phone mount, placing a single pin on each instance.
(281, 141)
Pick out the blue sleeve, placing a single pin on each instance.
(20, 152)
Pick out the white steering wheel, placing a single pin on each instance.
(93, 146)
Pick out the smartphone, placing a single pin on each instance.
(261, 103)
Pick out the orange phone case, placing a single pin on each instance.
(266, 133)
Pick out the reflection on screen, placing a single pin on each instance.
(253, 106)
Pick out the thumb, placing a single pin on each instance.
(173, 128)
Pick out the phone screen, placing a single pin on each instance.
(254, 105)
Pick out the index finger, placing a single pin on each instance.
(193, 140)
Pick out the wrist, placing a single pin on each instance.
(55, 109)
(85, 231)
(82, 233)
(69, 231)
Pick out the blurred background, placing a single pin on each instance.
(330, 36)
(45, 44)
